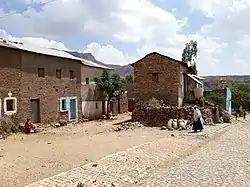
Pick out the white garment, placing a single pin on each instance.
(197, 115)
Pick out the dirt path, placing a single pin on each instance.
(28, 158)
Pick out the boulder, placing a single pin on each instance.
(63, 122)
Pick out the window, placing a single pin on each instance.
(40, 72)
(96, 105)
(71, 74)
(87, 80)
(10, 104)
(64, 105)
(155, 77)
(58, 73)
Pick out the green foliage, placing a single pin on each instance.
(241, 94)
(130, 78)
(112, 85)
(216, 99)
(189, 56)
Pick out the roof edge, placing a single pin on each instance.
(164, 56)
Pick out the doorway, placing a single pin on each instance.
(35, 111)
(73, 110)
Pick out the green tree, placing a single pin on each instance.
(112, 85)
(189, 56)
(241, 95)
(130, 78)
(216, 99)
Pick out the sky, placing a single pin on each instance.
(123, 31)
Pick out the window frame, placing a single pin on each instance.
(62, 109)
(87, 80)
(5, 107)
(155, 77)
(71, 74)
(58, 73)
(39, 73)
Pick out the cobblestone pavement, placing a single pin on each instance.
(129, 167)
(223, 162)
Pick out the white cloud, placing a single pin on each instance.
(138, 23)
(108, 54)
(34, 40)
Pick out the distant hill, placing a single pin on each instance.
(221, 82)
(210, 82)
(121, 70)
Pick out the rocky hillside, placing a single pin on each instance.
(121, 70)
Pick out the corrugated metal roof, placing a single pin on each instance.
(48, 51)
(196, 80)
(198, 77)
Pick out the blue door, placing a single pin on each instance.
(229, 101)
(73, 110)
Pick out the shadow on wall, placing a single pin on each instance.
(92, 102)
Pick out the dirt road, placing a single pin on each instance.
(28, 158)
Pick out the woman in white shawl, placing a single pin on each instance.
(198, 120)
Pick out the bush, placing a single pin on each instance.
(216, 99)
(8, 125)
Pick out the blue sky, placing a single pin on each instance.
(120, 32)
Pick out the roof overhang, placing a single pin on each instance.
(195, 79)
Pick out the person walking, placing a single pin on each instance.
(244, 114)
(198, 120)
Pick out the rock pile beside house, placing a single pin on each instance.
(159, 116)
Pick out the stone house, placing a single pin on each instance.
(43, 84)
(164, 78)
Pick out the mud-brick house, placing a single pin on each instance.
(94, 105)
(40, 83)
(163, 78)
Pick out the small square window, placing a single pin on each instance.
(10, 105)
(71, 74)
(58, 73)
(40, 72)
(87, 80)
(64, 105)
(155, 77)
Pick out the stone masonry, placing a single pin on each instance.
(19, 74)
(158, 76)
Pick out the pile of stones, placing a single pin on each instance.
(159, 116)
(129, 125)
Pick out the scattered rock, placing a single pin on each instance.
(172, 135)
(63, 122)
(95, 165)
(163, 128)
(49, 143)
(129, 125)
(57, 125)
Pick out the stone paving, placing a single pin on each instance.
(130, 167)
(223, 162)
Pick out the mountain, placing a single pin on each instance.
(210, 82)
(121, 70)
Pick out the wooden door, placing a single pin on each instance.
(35, 111)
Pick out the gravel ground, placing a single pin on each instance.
(223, 162)
(25, 159)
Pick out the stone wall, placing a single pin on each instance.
(158, 76)
(123, 104)
(159, 116)
(19, 74)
